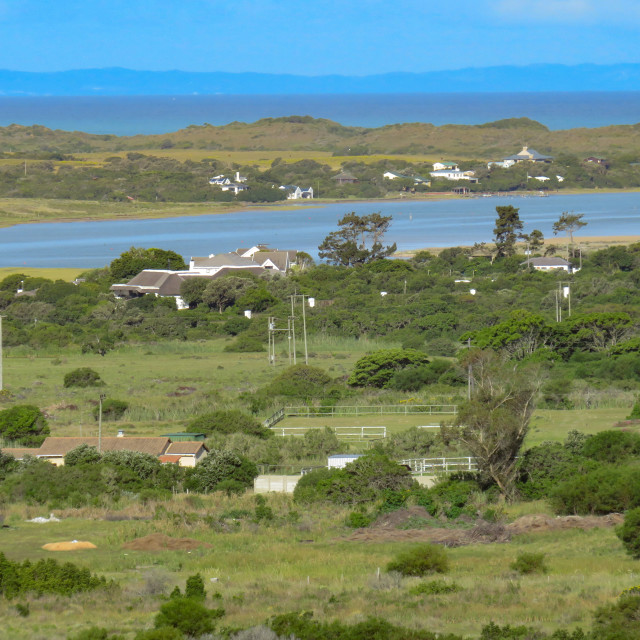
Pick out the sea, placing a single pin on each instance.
(415, 225)
(132, 115)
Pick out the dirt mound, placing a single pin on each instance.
(162, 542)
(543, 522)
(394, 527)
(483, 533)
(401, 518)
(69, 546)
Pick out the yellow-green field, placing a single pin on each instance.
(264, 570)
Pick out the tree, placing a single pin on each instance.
(378, 368)
(493, 424)
(132, 262)
(535, 239)
(505, 233)
(192, 290)
(188, 616)
(83, 377)
(569, 223)
(223, 292)
(358, 241)
(24, 423)
(219, 466)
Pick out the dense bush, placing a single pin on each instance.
(188, 616)
(219, 466)
(300, 381)
(629, 532)
(434, 588)
(362, 481)
(83, 454)
(377, 369)
(420, 561)
(607, 489)
(111, 409)
(25, 424)
(612, 446)
(83, 377)
(228, 421)
(527, 563)
(45, 576)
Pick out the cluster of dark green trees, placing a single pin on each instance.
(91, 478)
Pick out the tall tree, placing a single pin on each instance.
(357, 241)
(132, 262)
(494, 422)
(569, 223)
(506, 231)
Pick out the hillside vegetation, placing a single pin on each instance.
(487, 141)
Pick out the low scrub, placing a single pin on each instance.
(83, 377)
(527, 563)
(45, 576)
(421, 561)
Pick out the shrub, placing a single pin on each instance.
(83, 377)
(358, 520)
(111, 409)
(527, 563)
(245, 344)
(377, 369)
(362, 481)
(420, 561)
(228, 421)
(635, 412)
(612, 446)
(24, 423)
(219, 466)
(83, 454)
(194, 588)
(300, 381)
(629, 532)
(434, 588)
(188, 616)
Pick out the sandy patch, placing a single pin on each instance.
(74, 545)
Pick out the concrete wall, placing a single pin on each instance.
(279, 484)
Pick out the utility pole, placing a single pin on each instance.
(293, 329)
(102, 397)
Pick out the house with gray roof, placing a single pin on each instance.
(528, 155)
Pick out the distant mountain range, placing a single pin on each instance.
(123, 82)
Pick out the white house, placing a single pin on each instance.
(454, 174)
(445, 166)
(296, 193)
(548, 264)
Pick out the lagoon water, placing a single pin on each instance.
(415, 225)
(130, 115)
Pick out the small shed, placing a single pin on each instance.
(340, 460)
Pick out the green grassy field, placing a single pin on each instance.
(301, 562)
(265, 570)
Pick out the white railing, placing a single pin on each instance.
(344, 433)
(378, 410)
(434, 466)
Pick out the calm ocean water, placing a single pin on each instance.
(130, 115)
(415, 225)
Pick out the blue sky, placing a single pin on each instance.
(346, 37)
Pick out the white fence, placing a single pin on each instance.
(431, 466)
(343, 433)
(375, 410)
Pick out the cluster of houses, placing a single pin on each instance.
(238, 184)
(166, 283)
(183, 449)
